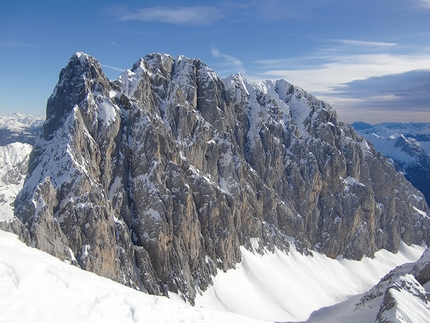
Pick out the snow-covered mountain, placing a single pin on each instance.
(406, 145)
(13, 169)
(19, 127)
(17, 134)
(169, 177)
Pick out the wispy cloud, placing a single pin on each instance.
(364, 43)
(113, 68)
(197, 15)
(424, 3)
(368, 82)
(409, 91)
(228, 62)
(324, 78)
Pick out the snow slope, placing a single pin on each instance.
(280, 287)
(17, 133)
(36, 287)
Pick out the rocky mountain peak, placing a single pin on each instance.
(82, 78)
(157, 179)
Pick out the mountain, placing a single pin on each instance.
(19, 127)
(13, 169)
(407, 146)
(17, 135)
(162, 178)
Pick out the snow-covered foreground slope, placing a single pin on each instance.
(280, 287)
(36, 287)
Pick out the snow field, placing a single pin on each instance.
(280, 287)
(36, 287)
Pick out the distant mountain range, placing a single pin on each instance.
(407, 147)
(17, 135)
(19, 127)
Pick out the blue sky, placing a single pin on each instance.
(370, 59)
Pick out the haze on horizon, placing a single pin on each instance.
(369, 59)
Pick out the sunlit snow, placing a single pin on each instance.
(280, 287)
(36, 287)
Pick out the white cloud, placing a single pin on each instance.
(344, 69)
(113, 68)
(327, 78)
(424, 3)
(198, 15)
(229, 62)
(364, 43)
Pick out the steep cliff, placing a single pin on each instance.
(157, 179)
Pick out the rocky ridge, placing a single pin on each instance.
(157, 179)
(401, 295)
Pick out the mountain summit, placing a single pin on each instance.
(157, 179)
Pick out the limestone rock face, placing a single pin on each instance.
(156, 180)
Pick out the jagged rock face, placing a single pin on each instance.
(404, 301)
(401, 294)
(156, 180)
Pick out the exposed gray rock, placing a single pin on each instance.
(405, 301)
(15, 226)
(421, 269)
(400, 294)
(157, 179)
